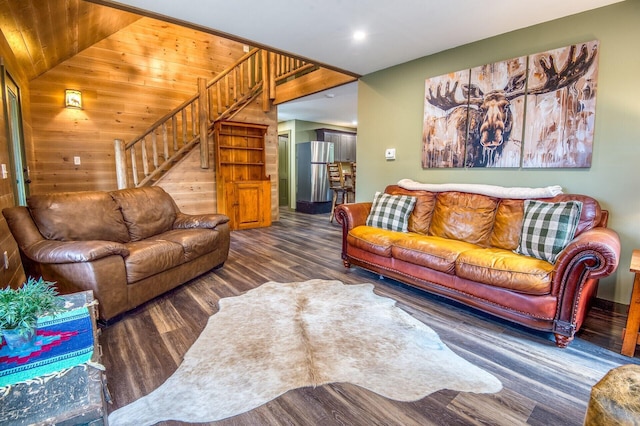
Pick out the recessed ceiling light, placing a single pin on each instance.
(359, 35)
(329, 95)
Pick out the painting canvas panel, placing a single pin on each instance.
(496, 114)
(445, 120)
(561, 98)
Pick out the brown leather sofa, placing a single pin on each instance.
(128, 246)
(462, 246)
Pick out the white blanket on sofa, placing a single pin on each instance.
(489, 190)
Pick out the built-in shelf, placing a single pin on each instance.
(242, 185)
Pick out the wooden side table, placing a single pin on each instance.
(630, 333)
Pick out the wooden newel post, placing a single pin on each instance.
(203, 108)
(121, 164)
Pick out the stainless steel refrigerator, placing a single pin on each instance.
(312, 184)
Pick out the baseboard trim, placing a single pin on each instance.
(610, 306)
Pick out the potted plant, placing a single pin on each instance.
(20, 309)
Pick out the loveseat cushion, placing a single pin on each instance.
(462, 216)
(149, 257)
(147, 211)
(78, 216)
(504, 268)
(433, 252)
(194, 242)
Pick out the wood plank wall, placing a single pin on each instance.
(128, 81)
(14, 275)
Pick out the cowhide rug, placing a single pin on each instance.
(279, 337)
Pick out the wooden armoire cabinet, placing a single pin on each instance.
(242, 185)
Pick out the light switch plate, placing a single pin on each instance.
(76, 160)
(390, 154)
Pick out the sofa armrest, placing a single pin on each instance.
(191, 221)
(352, 215)
(49, 251)
(592, 255)
(598, 248)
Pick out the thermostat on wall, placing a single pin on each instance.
(390, 154)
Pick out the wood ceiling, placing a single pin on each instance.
(44, 33)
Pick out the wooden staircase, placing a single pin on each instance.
(148, 157)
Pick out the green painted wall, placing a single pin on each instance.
(391, 102)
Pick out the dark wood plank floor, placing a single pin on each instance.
(145, 347)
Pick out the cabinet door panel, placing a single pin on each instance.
(249, 204)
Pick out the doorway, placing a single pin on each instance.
(15, 140)
(283, 169)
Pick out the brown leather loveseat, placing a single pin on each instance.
(466, 247)
(128, 246)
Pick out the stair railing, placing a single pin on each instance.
(147, 157)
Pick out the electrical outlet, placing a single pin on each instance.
(245, 48)
(6, 260)
(5, 174)
(76, 160)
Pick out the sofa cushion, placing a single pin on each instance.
(194, 242)
(391, 212)
(420, 217)
(506, 269)
(147, 211)
(373, 240)
(507, 225)
(433, 252)
(548, 227)
(150, 257)
(78, 216)
(462, 216)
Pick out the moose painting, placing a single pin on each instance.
(476, 118)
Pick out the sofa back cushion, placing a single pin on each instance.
(146, 211)
(509, 217)
(591, 214)
(507, 225)
(464, 217)
(78, 216)
(420, 217)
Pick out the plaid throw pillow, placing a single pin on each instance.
(547, 228)
(391, 211)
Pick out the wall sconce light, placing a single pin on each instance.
(73, 98)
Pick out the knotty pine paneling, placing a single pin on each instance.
(42, 34)
(128, 81)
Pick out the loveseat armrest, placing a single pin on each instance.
(50, 251)
(352, 215)
(192, 221)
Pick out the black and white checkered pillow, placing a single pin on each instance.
(547, 228)
(391, 211)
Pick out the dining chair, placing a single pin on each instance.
(338, 186)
